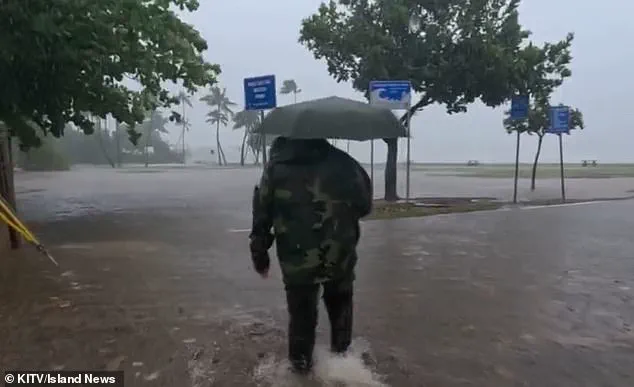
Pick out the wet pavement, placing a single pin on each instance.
(155, 279)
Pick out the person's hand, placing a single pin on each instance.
(262, 264)
(263, 272)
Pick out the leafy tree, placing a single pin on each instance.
(537, 123)
(289, 86)
(152, 128)
(547, 67)
(247, 120)
(48, 157)
(454, 52)
(62, 58)
(162, 151)
(185, 101)
(119, 127)
(101, 127)
(220, 115)
(80, 148)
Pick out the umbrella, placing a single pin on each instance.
(332, 117)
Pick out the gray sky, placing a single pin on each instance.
(255, 37)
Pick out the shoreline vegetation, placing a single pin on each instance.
(507, 171)
(493, 171)
(422, 207)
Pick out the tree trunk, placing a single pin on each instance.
(264, 159)
(218, 150)
(7, 190)
(182, 144)
(256, 154)
(102, 146)
(184, 129)
(183, 149)
(147, 152)
(224, 158)
(242, 148)
(390, 169)
(247, 149)
(534, 174)
(118, 133)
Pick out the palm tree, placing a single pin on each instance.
(101, 144)
(153, 126)
(249, 120)
(255, 143)
(97, 124)
(218, 118)
(221, 114)
(117, 131)
(289, 86)
(185, 101)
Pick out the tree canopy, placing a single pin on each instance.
(61, 58)
(221, 113)
(454, 52)
(247, 120)
(289, 86)
(538, 120)
(218, 100)
(547, 69)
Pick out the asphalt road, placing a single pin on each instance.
(156, 280)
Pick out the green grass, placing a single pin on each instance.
(544, 171)
(384, 210)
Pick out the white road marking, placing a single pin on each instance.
(240, 230)
(563, 205)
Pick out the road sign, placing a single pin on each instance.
(260, 93)
(519, 107)
(391, 94)
(559, 120)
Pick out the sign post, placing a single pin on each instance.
(260, 94)
(519, 111)
(560, 124)
(409, 158)
(394, 95)
(372, 161)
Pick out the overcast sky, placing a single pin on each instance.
(255, 37)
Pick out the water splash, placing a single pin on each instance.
(329, 370)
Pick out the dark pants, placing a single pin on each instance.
(302, 308)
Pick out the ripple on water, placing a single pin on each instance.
(330, 370)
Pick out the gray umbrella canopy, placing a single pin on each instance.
(332, 117)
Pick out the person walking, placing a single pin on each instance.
(313, 195)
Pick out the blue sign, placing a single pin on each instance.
(519, 107)
(260, 93)
(391, 94)
(559, 120)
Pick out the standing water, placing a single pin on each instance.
(330, 370)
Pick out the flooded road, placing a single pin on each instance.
(156, 279)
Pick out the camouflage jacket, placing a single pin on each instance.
(312, 195)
